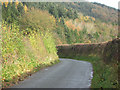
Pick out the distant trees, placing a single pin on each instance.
(62, 19)
(99, 11)
(55, 9)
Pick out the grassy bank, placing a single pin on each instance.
(104, 58)
(104, 76)
(23, 55)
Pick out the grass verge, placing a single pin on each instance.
(21, 77)
(104, 75)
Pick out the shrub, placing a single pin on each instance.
(37, 20)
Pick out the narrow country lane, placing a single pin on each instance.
(68, 73)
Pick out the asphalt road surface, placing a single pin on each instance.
(68, 73)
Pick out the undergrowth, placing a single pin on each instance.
(23, 55)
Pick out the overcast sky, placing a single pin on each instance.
(112, 3)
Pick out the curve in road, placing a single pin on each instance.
(68, 73)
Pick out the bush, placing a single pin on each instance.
(37, 20)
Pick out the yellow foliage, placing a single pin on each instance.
(93, 18)
(89, 41)
(2, 3)
(16, 3)
(25, 8)
(6, 4)
(72, 25)
(21, 3)
(86, 18)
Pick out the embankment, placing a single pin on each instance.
(107, 50)
(103, 56)
(23, 55)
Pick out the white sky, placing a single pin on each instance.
(112, 3)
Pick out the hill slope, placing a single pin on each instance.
(99, 11)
